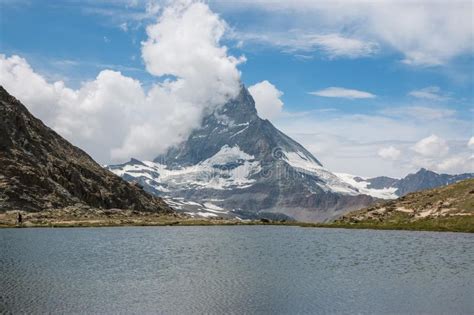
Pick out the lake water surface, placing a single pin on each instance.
(238, 269)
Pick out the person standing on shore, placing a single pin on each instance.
(19, 218)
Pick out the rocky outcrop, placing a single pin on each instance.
(41, 170)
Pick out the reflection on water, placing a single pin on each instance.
(242, 269)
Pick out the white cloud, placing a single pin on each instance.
(459, 164)
(153, 7)
(113, 116)
(124, 14)
(267, 99)
(390, 153)
(470, 143)
(432, 93)
(333, 45)
(349, 143)
(433, 155)
(431, 146)
(131, 3)
(336, 45)
(419, 112)
(426, 32)
(431, 33)
(124, 26)
(185, 43)
(342, 93)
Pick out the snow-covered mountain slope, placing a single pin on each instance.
(391, 188)
(230, 168)
(364, 186)
(199, 210)
(329, 182)
(247, 166)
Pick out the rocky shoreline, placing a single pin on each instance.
(83, 216)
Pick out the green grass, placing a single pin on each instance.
(447, 224)
(457, 199)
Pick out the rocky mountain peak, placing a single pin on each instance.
(241, 109)
(424, 171)
(236, 123)
(239, 162)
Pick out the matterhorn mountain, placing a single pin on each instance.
(237, 164)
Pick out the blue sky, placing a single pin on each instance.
(418, 77)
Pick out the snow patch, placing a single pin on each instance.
(206, 214)
(230, 168)
(362, 186)
(239, 132)
(301, 161)
(307, 165)
(228, 154)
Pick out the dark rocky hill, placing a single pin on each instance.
(41, 170)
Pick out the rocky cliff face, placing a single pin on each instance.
(240, 163)
(40, 170)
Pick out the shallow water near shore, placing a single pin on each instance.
(235, 269)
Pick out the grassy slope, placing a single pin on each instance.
(457, 200)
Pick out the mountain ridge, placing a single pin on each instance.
(391, 188)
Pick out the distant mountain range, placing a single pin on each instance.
(40, 170)
(391, 188)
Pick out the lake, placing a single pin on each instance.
(235, 270)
